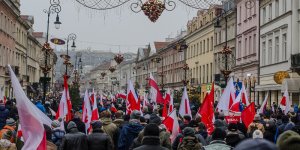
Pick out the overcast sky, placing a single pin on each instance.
(105, 30)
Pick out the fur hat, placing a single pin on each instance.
(232, 127)
(289, 140)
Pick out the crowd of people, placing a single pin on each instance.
(116, 130)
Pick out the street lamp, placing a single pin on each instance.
(46, 59)
(225, 58)
(66, 57)
(185, 68)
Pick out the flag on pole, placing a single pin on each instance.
(172, 125)
(95, 113)
(19, 133)
(86, 111)
(263, 106)
(171, 104)
(166, 101)
(31, 118)
(132, 99)
(65, 106)
(248, 114)
(185, 108)
(227, 97)
(207, 110)
(285, 101)
(155, 94)
(244, 95)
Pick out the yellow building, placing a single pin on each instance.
(199, 55)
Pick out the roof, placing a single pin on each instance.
(38, 34)
(160, 45)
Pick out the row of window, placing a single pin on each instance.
(203, 74)
(201, 47)
(249, 8)
(249, 43)
(274, 47)
(273, 10)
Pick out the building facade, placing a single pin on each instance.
(279, 40)
(247, 47)
(200, 54)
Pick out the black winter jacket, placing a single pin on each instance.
(74, 140)
(99, 140)
(151, 143)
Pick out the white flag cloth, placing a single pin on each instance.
(286, 101)
(263, 105)
(227, 97)
(86, 111)
(31, 118)
(185, 108)
(171, 123)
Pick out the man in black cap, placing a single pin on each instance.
(74, 140)
(130, 131)
(98, 139)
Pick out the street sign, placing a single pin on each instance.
(57, 41)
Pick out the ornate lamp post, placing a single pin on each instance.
(185, 68)
(66, 57)
(46, 59)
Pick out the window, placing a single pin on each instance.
(276, 49)
(276, 8)
(211, 72)
(211, 43)
(270, 11)
(264, 14)
(207, 71)
(197, 49)
(284, 6)
(245, 46)
(200, 47)
(200, 75)
(270, 51)
(250, 45)
(207, 45)
(263, 56)
(240, 14)
(203, 74)
(203, 46)
(254, 43)
(284, 47)
(220, 37)
(239, 49)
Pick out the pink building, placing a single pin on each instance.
(247, 44)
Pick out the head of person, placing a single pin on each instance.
(151, 129)
(256, 144)
(187, 119)
(288, 140)
(105, 114)
(56, 123)
(71, 126)
(135, 115)
(11, 122)
(257, 118)
(285, 119)
(126, 117)
(195, 125)
(232, 127)
(155, 119)
(257, 134)
(188, 131)
(96, 125)
(119, 114)
(218, 134)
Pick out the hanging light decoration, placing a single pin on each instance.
(112, 69)
(153, 9)
(119, 58)
(103, 74)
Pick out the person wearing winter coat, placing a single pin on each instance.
(49, 144)
(5, 143)
(151, 139)
(234, 136)
(130, 131)
(3, 115)
(189, 141)
(109, 127)
(98, 140)
(74, 140)
(10, 126)
(40, 106)
(57, 132)
(218, 141)
(198, 133)
(80, 125)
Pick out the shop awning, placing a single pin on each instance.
(268, 87)
(293, 85)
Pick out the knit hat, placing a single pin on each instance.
(10, 122)
(188, 131)
(255, 144)
(7, 135)
(155, 119)
(232, 127)
(257, 134)
(96, 124)
(135, 115)
(55, 124)
(151, 130)
(71, 125)
(289, 140)
(218, 134)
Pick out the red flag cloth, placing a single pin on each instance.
(65, 106)
(113, 108)
(95, 114)
(172, 125)
(133, 102)
(185, 108)
(166, 101)
(156, 96)
(248, 114)
(207, 110)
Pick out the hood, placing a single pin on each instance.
(106, 121)
(134, 128)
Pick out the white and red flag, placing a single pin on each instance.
(145, 101)
(185, 108)
(95, 114)
(113, 108)
(121, 95)
(65, 106)
(207, 111)
(31, 118)
(132, 99)
(166, 101)
(227, 97)
(285, 101)
(171, 104)
(19, 133)
(244, 95)
(86, 111)
(172, 125)
(263, 106)
(155, 94)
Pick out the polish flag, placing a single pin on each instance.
(166, 101)
(285, 102)
(172, 125)
(155, 94)
(121, 95)
(145, 101)
(113, 108)
(30, 117)
(86, 111)
(132, 99)
(248, 114)
(227, 97)
(65, 106)
(263, 105)
(185, 108)
(207, 111)
(244, 95)
(95, 114)
(19, 133)
(171, 104)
